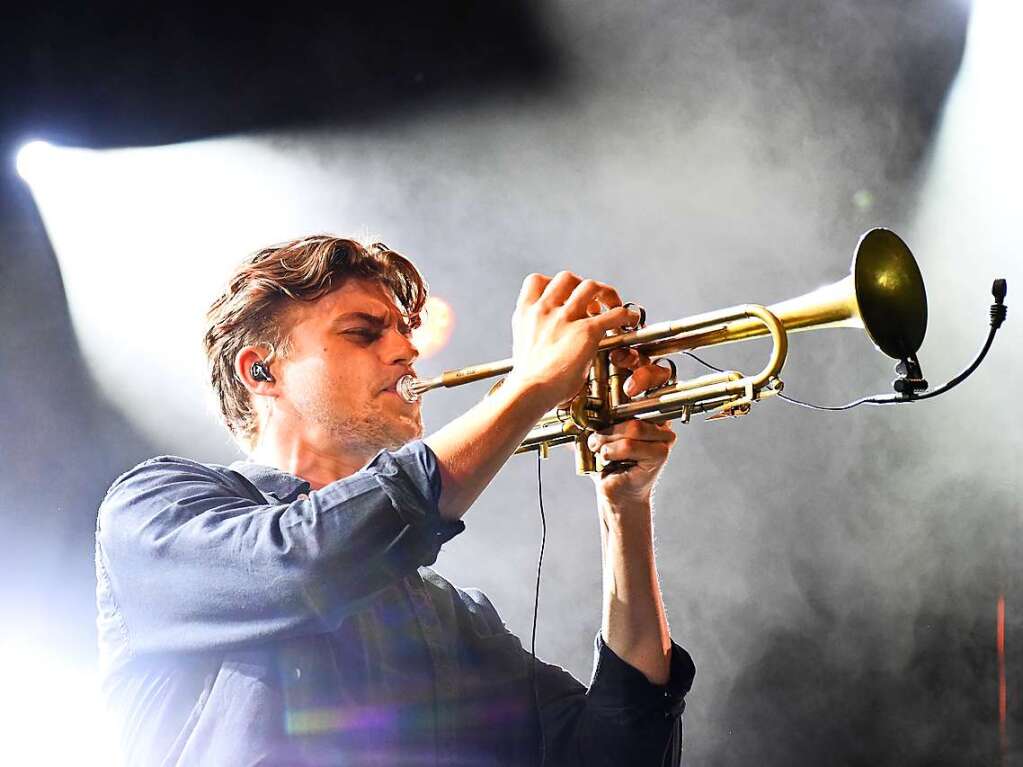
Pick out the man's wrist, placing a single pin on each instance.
(624, 504)
(627, 513)
(524, 395)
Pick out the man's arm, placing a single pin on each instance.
(192, 560)
(620, 719)
(633, 623)
(557, 325)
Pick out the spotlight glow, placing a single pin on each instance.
(435, 332)
(970, 201)
(145, 239)
(33, 159)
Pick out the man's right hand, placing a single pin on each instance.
(557, 324)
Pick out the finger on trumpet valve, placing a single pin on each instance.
(640, 314)
(673, 376)
(627, 357)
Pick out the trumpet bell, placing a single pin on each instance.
(889, 293)
(883, 294)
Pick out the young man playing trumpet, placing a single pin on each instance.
(281, 610)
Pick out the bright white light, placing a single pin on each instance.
(966, 231)
(34, 159)
(968, 221)
(52, 712)
(138, 278)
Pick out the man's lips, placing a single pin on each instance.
(393, 395)
(392, 388)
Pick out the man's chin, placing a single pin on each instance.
(415, 431)
(379, 431)
(407, 429)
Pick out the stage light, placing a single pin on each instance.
(34, 159)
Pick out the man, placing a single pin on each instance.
(280, 611)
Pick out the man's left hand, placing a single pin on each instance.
(646, 444)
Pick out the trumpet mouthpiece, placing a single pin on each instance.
(406, 388)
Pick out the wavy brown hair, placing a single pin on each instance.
(254, 308)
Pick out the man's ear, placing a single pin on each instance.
(253, 370)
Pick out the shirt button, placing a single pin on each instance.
(303, 497)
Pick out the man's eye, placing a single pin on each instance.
(363, 333)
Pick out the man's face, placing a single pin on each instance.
(347, 351)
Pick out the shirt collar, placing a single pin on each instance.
(270, 481)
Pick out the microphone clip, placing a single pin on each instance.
(911, 378)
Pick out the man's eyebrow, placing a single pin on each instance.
(371, 319)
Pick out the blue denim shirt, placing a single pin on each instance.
(244, 619)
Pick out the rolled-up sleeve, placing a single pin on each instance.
(191, 562)
(622, 718)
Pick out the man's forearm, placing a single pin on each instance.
(634, 624)
(471, 449)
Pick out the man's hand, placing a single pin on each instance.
(646, 444)
(557, 325)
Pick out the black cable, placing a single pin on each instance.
(703, 362)
(796, 401)
(536, 609)
(894, 399)
(962, 376)
(876, 399)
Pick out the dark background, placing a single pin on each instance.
(835, 577)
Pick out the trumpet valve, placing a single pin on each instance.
(585, 459)
(616, 385)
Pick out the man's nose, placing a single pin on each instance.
(399, 349)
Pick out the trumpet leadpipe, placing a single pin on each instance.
(412, 388)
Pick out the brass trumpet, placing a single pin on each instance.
(882, 295)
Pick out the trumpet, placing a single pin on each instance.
(883, 295)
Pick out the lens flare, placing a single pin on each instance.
(435, 331)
